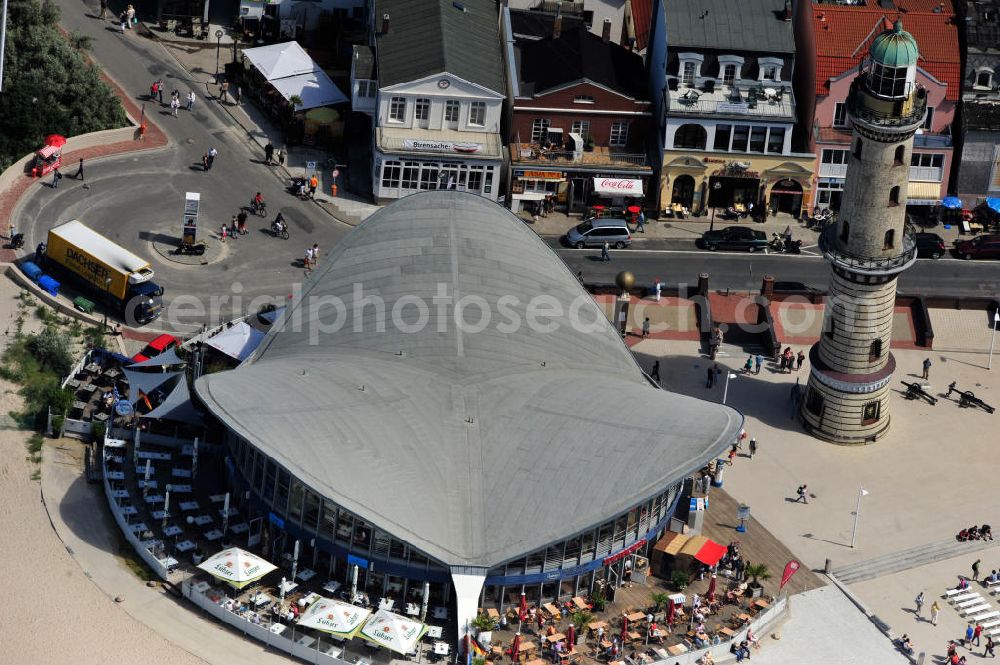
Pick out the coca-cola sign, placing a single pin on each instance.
(618, 187)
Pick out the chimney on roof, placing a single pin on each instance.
(788, 11)
(385, 23)
(606, 31)
(557, 26)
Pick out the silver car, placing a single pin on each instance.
(596, 232)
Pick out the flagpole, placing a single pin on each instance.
(857, 515)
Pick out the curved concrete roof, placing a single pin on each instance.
(474, 447)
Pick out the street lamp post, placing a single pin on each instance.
(218, 49)
(725, 388)
(716, 186)
(857, 514)
(993, 337)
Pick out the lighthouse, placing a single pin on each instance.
(847, 399)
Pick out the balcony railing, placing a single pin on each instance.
(899, 116)
(871, 265)
(532, 153)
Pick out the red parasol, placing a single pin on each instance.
(55, 140)
(515, 646)
(624, 629)
(671, 611)
(598, 207)
(635, 210)
(711, 589)
(522, 609)
(571, 637)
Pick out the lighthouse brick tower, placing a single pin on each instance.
(847, 400)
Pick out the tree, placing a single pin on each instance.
(758, 571)
(48, 88)
(659, 599)
(51, 350)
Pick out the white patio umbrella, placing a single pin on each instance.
(236, 567)
(332, 616)
(393, 631)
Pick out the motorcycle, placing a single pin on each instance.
(730, 214)
(776, 243)
(299, 187)
(792, 246)
(279, 230)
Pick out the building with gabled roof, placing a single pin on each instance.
(832, 39)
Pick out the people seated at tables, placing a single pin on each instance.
(963, 584)
(994, 577)
(229, 604)
(741, 651)
(654, 632)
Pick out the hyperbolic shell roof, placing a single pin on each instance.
(474, 447)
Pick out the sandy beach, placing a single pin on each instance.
(53, 614)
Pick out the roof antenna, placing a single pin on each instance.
(703, 15)
(362, 388)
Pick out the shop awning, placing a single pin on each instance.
(672, 542)
(529, 196)
(618, 187)
(923, 193)
(705, 550)
(278, 61)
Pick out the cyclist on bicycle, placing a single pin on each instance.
(278, 225)
(257, 202)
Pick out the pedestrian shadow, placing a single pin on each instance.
(198, 166)
(112, 28)
(157, 237)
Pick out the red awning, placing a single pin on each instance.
(710, 553)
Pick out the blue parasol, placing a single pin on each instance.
(993, 204)
(951, 202)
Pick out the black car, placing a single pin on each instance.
(929, 245)
(734, 237)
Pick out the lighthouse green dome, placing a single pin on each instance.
(895, 48)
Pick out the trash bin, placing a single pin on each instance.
(49, 285)
(32, 270)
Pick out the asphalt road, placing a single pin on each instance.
(134, 199)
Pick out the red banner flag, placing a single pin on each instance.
(790, 569)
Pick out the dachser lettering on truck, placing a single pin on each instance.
(87, 265)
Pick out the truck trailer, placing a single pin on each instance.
(106, 270)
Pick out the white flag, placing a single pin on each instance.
(864, 492)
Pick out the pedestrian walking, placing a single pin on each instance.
(268, 153)
(969, 633)
(655, 372)
(281, 156)
(123, 20)
(190, 100)
(657, 286)
(712, 372)
(757, 362)
(919, 602)
(315, 254)
(104, 9)
(130, 15)
(307, 261)
(79, 170)
(204, 161)
(927, 369)
(975, 570)
(239, 94)
(605, 253)
(212, 154)
(241, 220)
(645, 327)
(152, 91)
(174, 105)
(748, 365)
(234, 228)
(935, 610)
(799, 359)
(11, 230)
(753, 447)
(977, 633)
(223, 232)
(801, 491)
(989, 647)
(159, 86)
(732, 455)
(641, 222)
(313, 184)
(56, 177)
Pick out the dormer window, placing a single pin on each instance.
(583, 99)
(770, 69)
(730, 69)
(984, 78)
(690, 68)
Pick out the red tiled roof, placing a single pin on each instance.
(842, 33)
(642, 15)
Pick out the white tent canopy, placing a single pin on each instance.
(334, 617)
(393, 631)
(236, 567)
(279, 61)
(237, 342)
(315, 89)
(291, 71)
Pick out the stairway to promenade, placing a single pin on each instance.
(913, 557)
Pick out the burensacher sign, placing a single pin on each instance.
(617, 187)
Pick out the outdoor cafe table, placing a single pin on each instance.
(79, 406)
(440, 612)
(677, 649)
(173, 530)
(138, 527)
(140, 469)
(154, 498)
(129, 510)
(635, 617)
(150, 454)
(151, 484)
(242, 527)
(233, 512)
(526, 645)
(119, 494)
(580, 603)
(117, 459)
(744, 617)
(159, 514)
(116, 475)
(551, 609)
(73, 383)
(180, 489)
(101, 417)
(88, 387)
(536, 661)
(434, 631)
(412, 609)
(330, 587)
(259, 599)
(217, 498)
(214, 534)
(189, 505)
(728, 632)
(202, 520)
(596, 625)
(442, 648)
(184, 546)
(555, 637)
(761, 603)
(92, 368)
(169, 562)
(181, 473)
(306, 574)
(288, 586)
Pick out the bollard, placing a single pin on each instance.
(828, 568)
(333, 190)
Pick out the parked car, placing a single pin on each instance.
(929, 245)
(156, 347)
(734, 237)
(595, 232)
(980, 247)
